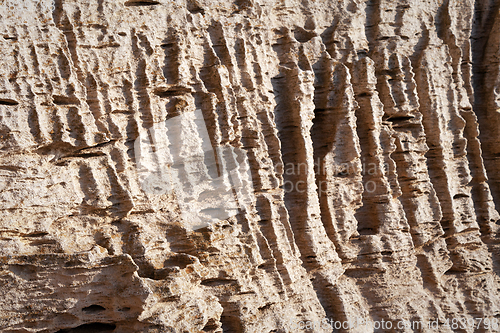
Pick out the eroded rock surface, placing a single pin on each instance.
(372, 131)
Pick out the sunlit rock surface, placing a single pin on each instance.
(371, 135)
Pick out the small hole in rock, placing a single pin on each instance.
(8, 102)
(141, 3)
(93, 308)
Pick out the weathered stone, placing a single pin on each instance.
(369, 191)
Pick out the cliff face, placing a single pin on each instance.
(371, 135)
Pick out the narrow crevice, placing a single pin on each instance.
(241, 52)
(9, 102)
(94, 103)
(78, 127)
(372, 11)
(141, 83)
(268, 229)
(141, 3)
(120, 196)
(172, 49)
(212, 81)
(216, 282)
(133, 123)
(172, 91)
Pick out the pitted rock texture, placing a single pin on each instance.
(372, 130)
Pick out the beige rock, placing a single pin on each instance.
(249, 166)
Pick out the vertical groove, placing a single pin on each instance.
(336, 153)
(293, 120)
(486, 73)
(446, 158)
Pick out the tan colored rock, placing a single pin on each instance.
(249, 166)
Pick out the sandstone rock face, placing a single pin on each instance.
(362, 135)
